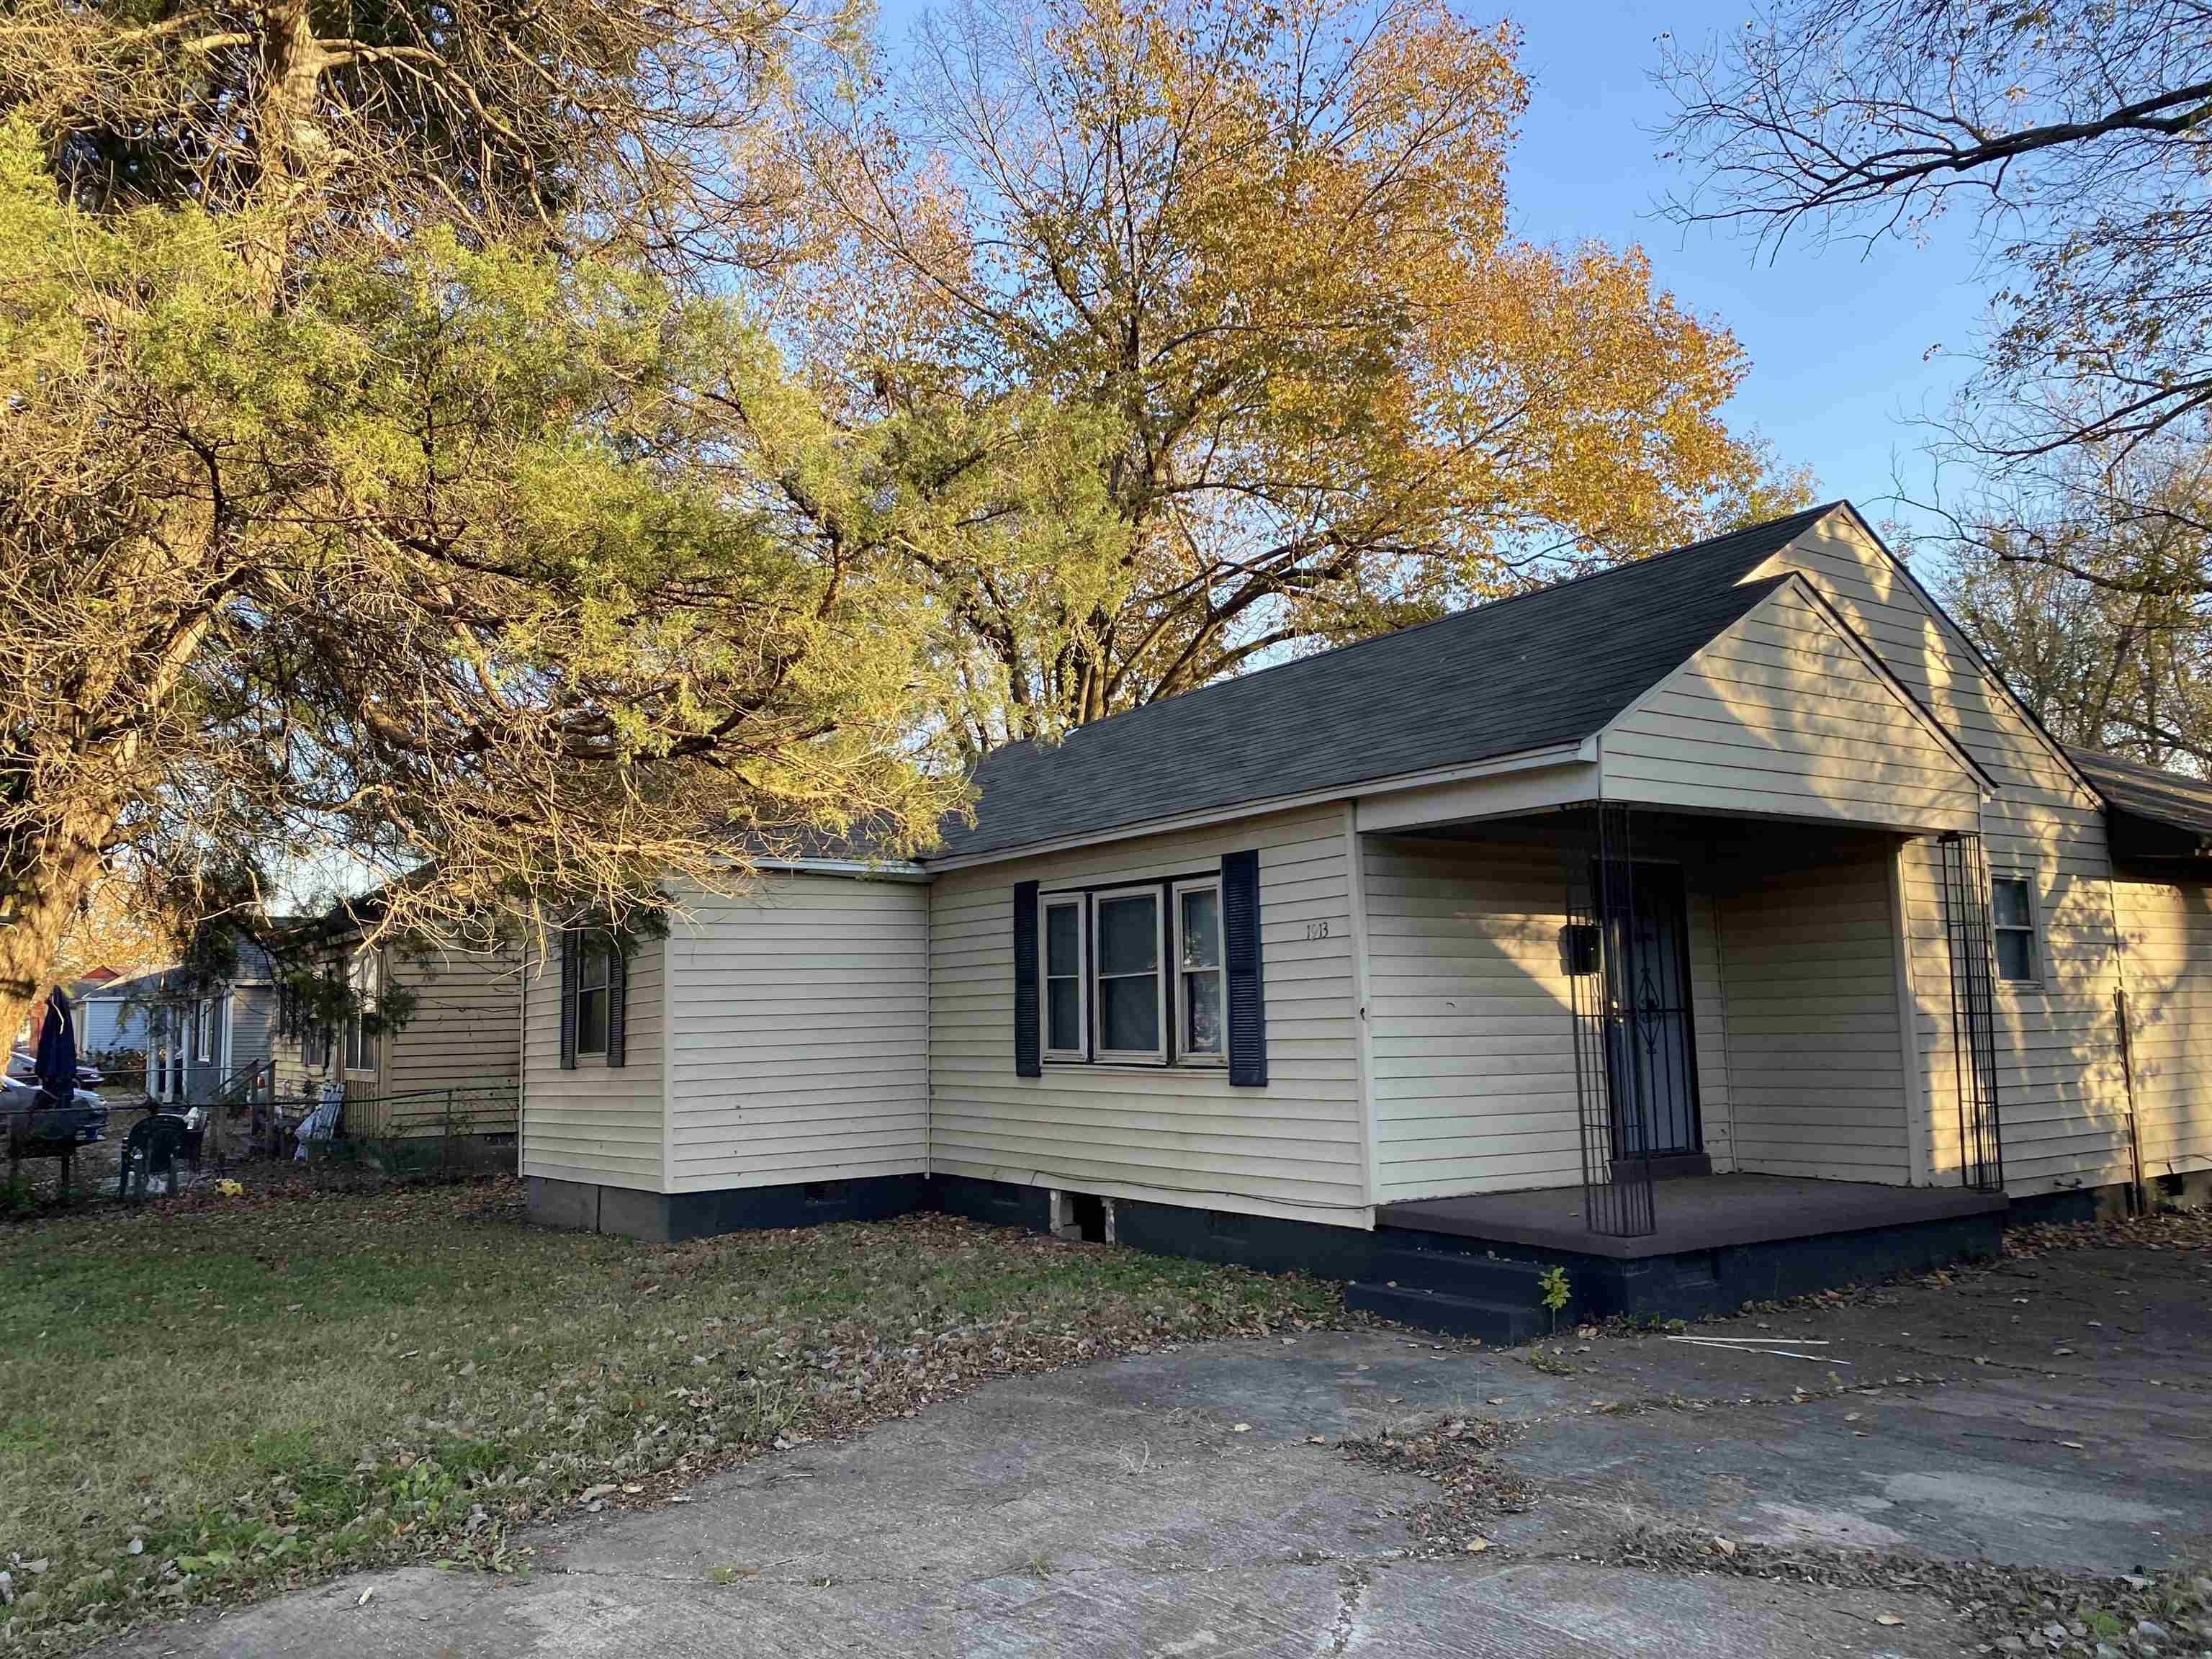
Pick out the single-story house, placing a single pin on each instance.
(189, 1038)
(452, 1066)
(1719, 926)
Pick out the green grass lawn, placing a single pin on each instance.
(205, 1401)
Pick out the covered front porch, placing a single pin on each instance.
(1700, 1011)
(1680, 1054)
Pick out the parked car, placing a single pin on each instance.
(84, 1119)
(23, 1065)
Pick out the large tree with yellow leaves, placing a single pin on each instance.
(1251, 265)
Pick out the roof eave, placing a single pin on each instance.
(1563, 754)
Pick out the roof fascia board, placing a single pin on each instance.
(1988, 669)
(900, 870)
(1559, 754)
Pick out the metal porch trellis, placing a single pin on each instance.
(1973, 1031)
(1617, 1197)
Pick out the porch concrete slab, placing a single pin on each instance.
(1699, 1212)
(2053, 1412)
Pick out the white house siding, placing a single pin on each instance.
(1816, 1068)
(1782, 715)
(1471, 1021)
(800, 1020)
(2167, 931)
(2063, 1094)
(593, 1123)
(464, 1036)
(1178, 1135)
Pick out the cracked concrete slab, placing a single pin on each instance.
(1120, 1510)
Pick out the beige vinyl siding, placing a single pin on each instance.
(2063, 1095)
(1782, 715)
(1178, 1134)
(800, 1023)
(596, 1123)
(465, 1036)
(1471, 1023)
(1816, 1070)
(2167, 930)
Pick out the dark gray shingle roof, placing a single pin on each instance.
(1547, 667)
(2148, 792)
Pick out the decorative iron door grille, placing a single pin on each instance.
(1974, 1027)
(1656, 1110)
(1599, 955)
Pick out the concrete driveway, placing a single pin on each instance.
(2051, 1413)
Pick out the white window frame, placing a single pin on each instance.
(2033, 929)
(1081, 903)
(1185, 1054)
(355, 1041)
(1157, 893)
(603, 944)
(204, 1031)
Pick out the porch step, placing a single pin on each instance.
(1506, 1324)
(1483, 1278)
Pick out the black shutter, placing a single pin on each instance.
(617, 997)
(1240, 931)
(1029, 1059)
(570, 944)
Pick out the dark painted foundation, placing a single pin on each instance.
(671, 1217)
(1438, 1279)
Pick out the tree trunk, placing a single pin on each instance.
(287, 140)
(44, 878)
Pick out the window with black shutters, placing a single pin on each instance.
(1158, 973)
(594, 991)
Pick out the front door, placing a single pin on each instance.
(1652, 1054)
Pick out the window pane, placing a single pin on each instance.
(592, 1023)
(1202, 1013)
(1129, 934)
(1201, 929)
(1129, 1013)
(1064, 1023)
(2011, 908)
(2015, 954)
(595, 965)
(1060, 955)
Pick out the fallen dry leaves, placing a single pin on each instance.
(213, 1399)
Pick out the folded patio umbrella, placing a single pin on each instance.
(57, 1058)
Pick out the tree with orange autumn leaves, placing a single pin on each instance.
(1225, 297)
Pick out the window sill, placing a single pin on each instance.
(1150, 1068)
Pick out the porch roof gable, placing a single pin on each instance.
(1789, 712)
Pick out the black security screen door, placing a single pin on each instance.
(1652, 1052)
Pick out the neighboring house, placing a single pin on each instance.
(198, 1038)
(454, 1066)
(1421, 962)
(106, 1021)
